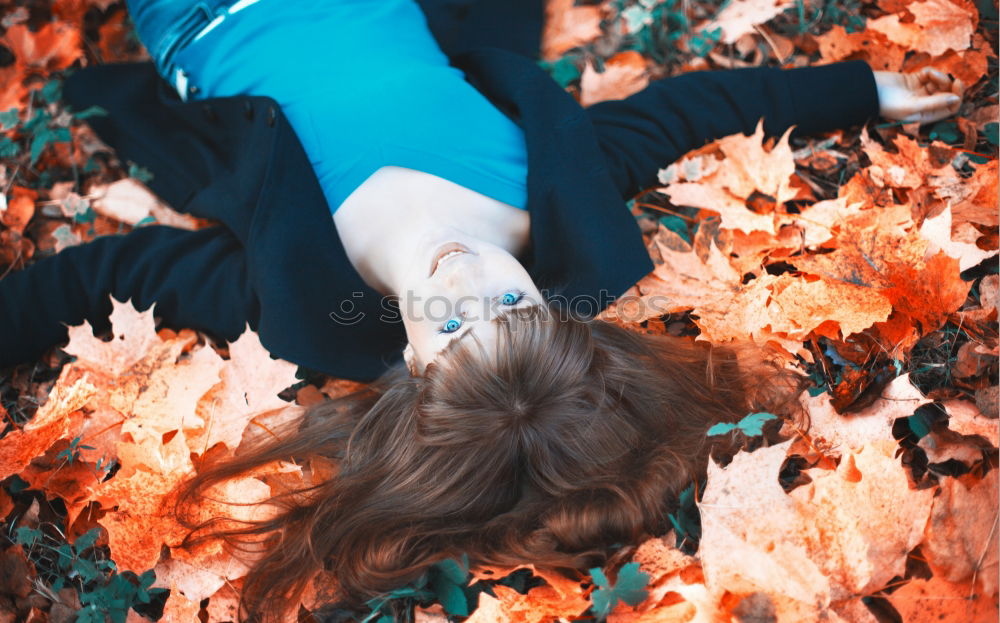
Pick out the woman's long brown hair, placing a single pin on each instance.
(572, 437)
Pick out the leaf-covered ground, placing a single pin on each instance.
(867, 258)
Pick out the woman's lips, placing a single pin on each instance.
(453, 248)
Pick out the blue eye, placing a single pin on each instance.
(511, 298)
(452, 325)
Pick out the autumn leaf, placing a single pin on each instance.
(567, 26)
(133, 337)
(623, 75)
(961, 537)
(739, 17)
(872, 424)
(939, 601)
(20, 208)
(938, 26)
(821, 557)
(52, 422)
(53, 47)
(250, 384)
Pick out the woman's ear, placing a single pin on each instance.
(411, 360)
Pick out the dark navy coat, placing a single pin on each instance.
(276, 262)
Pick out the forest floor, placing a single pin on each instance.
(865, 258)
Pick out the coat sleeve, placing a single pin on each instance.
(647, 131)
(196, 278)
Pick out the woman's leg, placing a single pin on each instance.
(166, 26)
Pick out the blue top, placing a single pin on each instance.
(369, 87)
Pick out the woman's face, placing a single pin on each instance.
(460, 285)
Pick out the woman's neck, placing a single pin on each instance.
(397, 214)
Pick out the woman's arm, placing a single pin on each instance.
(646, 131)
(196, 278)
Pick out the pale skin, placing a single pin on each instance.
(399, 220)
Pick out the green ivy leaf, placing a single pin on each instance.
(52, 91)
(919, 424)
(142, 174)
(629, 588)
(702, 42)
(87, 570)
(43, 137)
(27, 536)
(86, 540)
(8, 148)
(564, 71)
(751, 425)
(992, 132)
(9, 118)
(451, 596)
(89, 614)
(946, 131)
(66, 556)
(39, 120)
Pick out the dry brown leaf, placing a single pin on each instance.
(750, 167)
(922, 292)
(133, 336)
(198, 579)
(940, 601)
(223, 605)
(765, 308)
(568, 26)
(958, 241)
(975, 198)
(540, 605)
(817, 221)
(939, 26)
(965, 418)
(128, 200)
(142, 519)
(179, 609)
(961, 538)
(53, 47)
(624, 74)
(166, 399)
(829, 548)
(52, 422)
(563, 586)
(837, 44)
(18, 210)
(489, 610)
(799, 306)
(873, 424)
(739, 17)
(732, 209)
(73, 482)
(250, 384)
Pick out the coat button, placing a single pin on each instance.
(272, 115)
(248, 110)
(209, 113)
